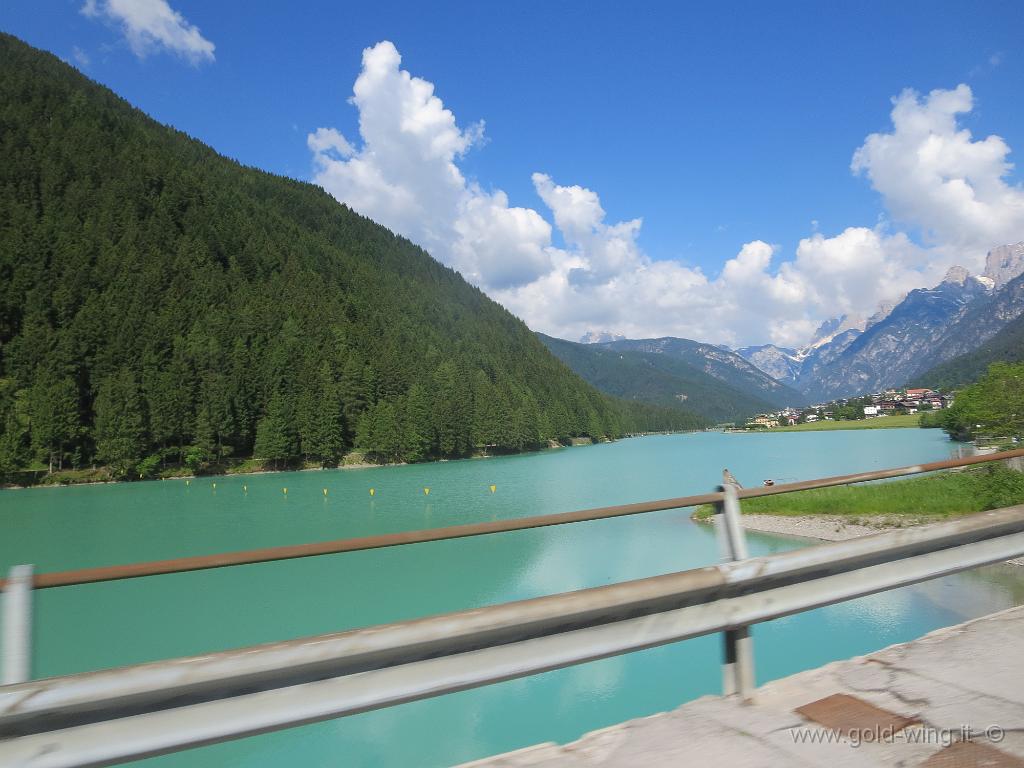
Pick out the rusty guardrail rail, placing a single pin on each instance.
(111, 716)
(292, 551)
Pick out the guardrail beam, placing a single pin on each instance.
(95, 719)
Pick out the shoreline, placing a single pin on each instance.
(829, 527)
(232, 471)
(901, 421)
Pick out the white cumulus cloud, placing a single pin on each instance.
(405, 175)
(404, 172)
(936, 177)
(149, 25)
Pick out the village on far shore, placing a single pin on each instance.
(891, 402)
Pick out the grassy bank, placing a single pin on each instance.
(885, 422)
(933, 496)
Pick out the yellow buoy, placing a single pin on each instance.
(188, 482)
(245, 489)
(285, 491)
(494, 488)
(215, 486)
(373, 491)
(426, 491)
(325, 491)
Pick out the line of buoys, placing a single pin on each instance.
(373, 491)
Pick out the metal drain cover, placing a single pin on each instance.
(971, 754)
(848, 714)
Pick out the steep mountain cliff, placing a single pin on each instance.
(797, 367)
(1005, 346)
(781, 363)
(1004, 264)
(890, 352)
(978, 325)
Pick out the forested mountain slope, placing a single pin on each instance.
(659, 378)
(1005, 346)
(161, 302)
(724, 365)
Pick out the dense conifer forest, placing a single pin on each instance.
(163, 305)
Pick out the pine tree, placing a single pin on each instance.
(119, 424)
(14, 427)
(54, 418)
(417, 438)
(275, 439)
(324, 433)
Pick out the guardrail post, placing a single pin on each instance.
(17, 619)
(738, 666)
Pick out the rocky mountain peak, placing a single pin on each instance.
(600, 337)
(883, 310)
(957, 275)
(1004, 263)
(832, 328)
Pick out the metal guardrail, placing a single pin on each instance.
(293, 551)
(111, 716)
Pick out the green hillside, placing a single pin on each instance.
(654, 377)
(161, 303)
(722, 365)
(1006, 346)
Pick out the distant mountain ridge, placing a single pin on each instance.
(717, 362)
(708, 380)
(794, 367)
(901, 341)
(781, 363)
(888, 353)
(600, 337)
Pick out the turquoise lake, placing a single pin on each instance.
(104, 625)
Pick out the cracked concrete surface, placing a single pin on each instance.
(967, 676)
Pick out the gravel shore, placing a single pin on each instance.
(824, 528)
(830, 528)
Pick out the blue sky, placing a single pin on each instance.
(728, 129)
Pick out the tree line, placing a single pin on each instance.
(991, 407)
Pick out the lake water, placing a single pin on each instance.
(104, 625)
